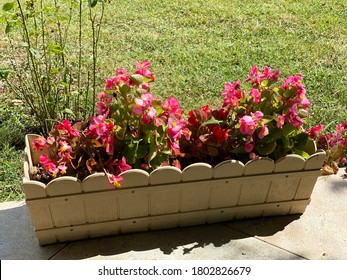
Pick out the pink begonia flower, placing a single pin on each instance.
(247, 125)
(263, 132)
(120, 78)
(174, 148)
(256, 95)
(138, 108)
(108, 143)
(151, 112)
(143, 104)
(48, 165)
(115, 180)
(248, 147)
(66, 128)
(39, 143)
(123, 166)
(143, 69)
(294, 116)
(232, 94)
(144, 166)
(269, 75)
(172, 107)
(254, 76)
(280, 121)
(258, 116)
(64, 147)
(175, 128)
(147, 99)
(157, 122)
(149, 115)
(62, 167)
(294, 80)
(315, 130)
(103, 105)
(97, 125)
(104, 97)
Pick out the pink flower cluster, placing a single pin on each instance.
(64, 133)
(134, 129)
(264, 121)
(333, 142)
(131, 128)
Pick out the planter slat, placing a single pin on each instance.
(68, 233)
(33, 189)
(165, 175)
(135, 178)
(196, 196)
(227, 169)
(290, 163)
(254, 192)
(259, 166)
(315, 161)
(96, 182)
(68, 209)
(225, 193)
(63, 186)
(196, 172)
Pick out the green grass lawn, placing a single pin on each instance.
(197, 46)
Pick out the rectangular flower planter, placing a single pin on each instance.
(67, 209)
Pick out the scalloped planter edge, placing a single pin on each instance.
(67, 209)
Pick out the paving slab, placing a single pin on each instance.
(320, 233)
(17, 239)
(208, 242)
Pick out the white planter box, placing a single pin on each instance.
(68, 209)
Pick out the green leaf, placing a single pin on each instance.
(211, 121)
(289, 93)
(55, 49)
(137, 79)
(238, 150)
(300, 153)
(152, 151)
(264, 83)
(266, 148)
(288, 130)
(4, 73)
(301, 141)
(274, 134)
(68, 111)
(35, 52)
(287, 142)
(131, 151)
(92, 3)
(8, 28)
(124, 89)
(8, 6)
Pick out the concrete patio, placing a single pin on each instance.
(318, 234)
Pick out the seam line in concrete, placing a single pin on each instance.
(229, 226)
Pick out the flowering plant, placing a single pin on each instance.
(265, 120)
(334, 143)
(134, 129)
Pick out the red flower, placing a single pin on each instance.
(220, 134)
